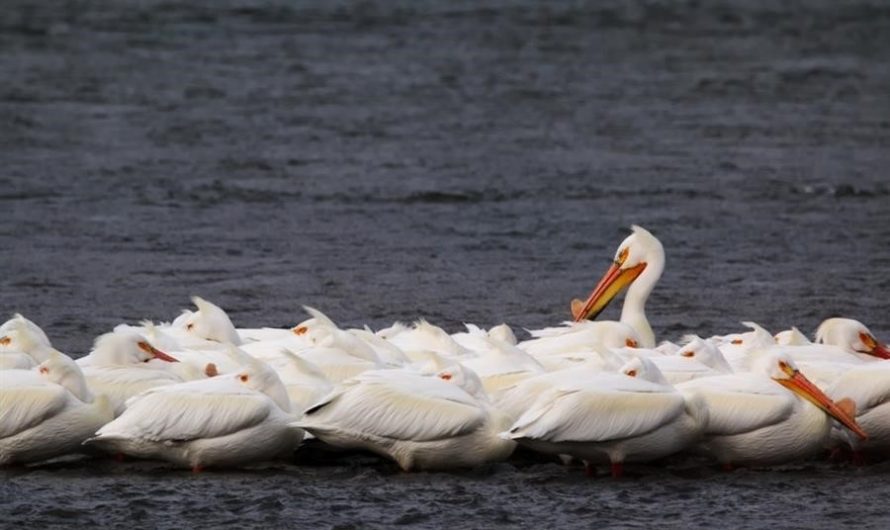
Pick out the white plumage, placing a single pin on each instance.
(611, 418)
(421, 422)
(228, 420)
(47, 412)
(754, 419)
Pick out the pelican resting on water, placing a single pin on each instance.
(419, 421)
(47, 411)
(772, 414)
(630, 416)
(224, 421)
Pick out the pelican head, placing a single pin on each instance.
(316, 319)
(62, 370)
(459, 375)
(852, 336)
(19, 322)
(705, 352)
(19, 337)
(209, 322)
(791, 337)
(503, 333)
(638, 252)
(780, 368)
(126, 347)
(259, 376)
(643, 368)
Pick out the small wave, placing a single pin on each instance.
(218, 191)
(841, 190)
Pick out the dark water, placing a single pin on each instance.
(386, 161)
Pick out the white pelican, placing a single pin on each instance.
(698, 358)
(320, 332)
(421, 422)
(47, 411)
(638, 263)
(225, 421)
(424, 337)
(19, 322)
(631, 416)
(122, 364)
(771, 414)
(501, 365)
(580, 337)
(305, 382)
(842, 344)
(868, 386)
(517, 399)
(209, 323)
(23, 345)
(791, 337)
(337, 364)
(736, 347)
(387, 352)
(476, 338)
(452, 371)
(316, 318)
(852, 336)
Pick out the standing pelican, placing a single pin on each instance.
(638, 263)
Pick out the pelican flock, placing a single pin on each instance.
(200, 393)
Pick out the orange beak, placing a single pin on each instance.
(873, 347)
(881, 351)
(612, 283)
(156, 353)
(803, 387)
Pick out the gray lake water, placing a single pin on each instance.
(388, 161)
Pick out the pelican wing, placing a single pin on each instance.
(416, 408)
(739, 404)
(127, 376)
(594, 415)
(188, 415)
(867, 386)
(23, 407)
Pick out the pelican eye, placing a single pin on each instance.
(301, 330)
(243, 378)
(736, 341)
(189, 326)
(44, 370)
(688, 353)
(630, 343)
(445, 376)
(622, 256)
(5, 341)
(631, 373)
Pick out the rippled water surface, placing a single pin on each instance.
(388, 161)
